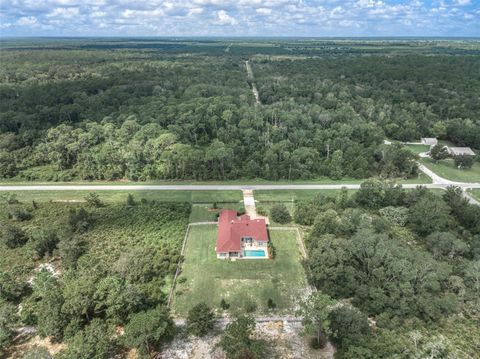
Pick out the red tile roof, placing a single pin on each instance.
(231, 229)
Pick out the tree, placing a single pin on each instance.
(315, 312)
(8, 318)
(94, 341)
(70, 249)
(147, 330)
(438, 152)
(236, 340)
(348, 325)
(464, 161)
(37, 352)
(79, 220)
(93, 200)
(13, 236)
(45, 241)
(280, 214)
(397, 216)
(200, 319)
(429, 214)
(130, 200)
(445, 245)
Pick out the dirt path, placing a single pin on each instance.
(254, 87)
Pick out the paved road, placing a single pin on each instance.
(239, 187)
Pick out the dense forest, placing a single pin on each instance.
(145, 110)
(408, 259)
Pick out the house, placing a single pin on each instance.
(241, 237)
(429, 141)
(460, 151)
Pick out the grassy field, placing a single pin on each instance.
(321, 180)
(475, 193)
(446, 168)
(120, 196)
(208, 279)
(292, 195)
(418, 148)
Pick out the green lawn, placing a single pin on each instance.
(121, 195)
(418, 148)
(446, 168)
(475, 193)
(209, 279)
(289, 195)
(204, 212)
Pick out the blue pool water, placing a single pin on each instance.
(254, 253)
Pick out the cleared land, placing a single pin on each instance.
(418, 148)
(242, 282)
(121, 195)
(475, 193)
(446, 168)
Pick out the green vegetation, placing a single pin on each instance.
(237, 341)
(244, 284)
(475, 193)
(447, 169)
(422, 242)
(137, 110)
(417, 149)
(115, 261)
(121, 195)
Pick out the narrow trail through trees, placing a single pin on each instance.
(252, 83)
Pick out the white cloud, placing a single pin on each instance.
(264, 11)
(224, 19)
(30, 21)
(64, 12)
(463, 2)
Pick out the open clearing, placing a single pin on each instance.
(446, 168)
(475, 193)
(206, 196)
(240, 283)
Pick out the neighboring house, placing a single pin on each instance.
(460, 151)
(241, 237)
(430, 141)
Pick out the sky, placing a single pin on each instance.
(310, 18)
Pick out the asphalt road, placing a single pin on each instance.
(438, 182)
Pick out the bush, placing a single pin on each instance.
(200, 319)
(93, 199)
(130, 200)
(280, 214)
(19, 214)
(13, 237)
(79, 220)
(224, 305)
(46, 241)
(464, 161)
(271, 304)
(249, 305)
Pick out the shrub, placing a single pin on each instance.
(13, 236)
(224, 305)
(271, 304)
(200, 319)
(93, 199)
(19, 214)
(464, 161)
(46, 241)
(280, 214)
(130, 200)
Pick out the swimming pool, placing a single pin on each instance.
(254, 253)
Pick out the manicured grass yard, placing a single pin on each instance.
(209, 279)
(418, 148)
(203, 212)
(446, 168)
